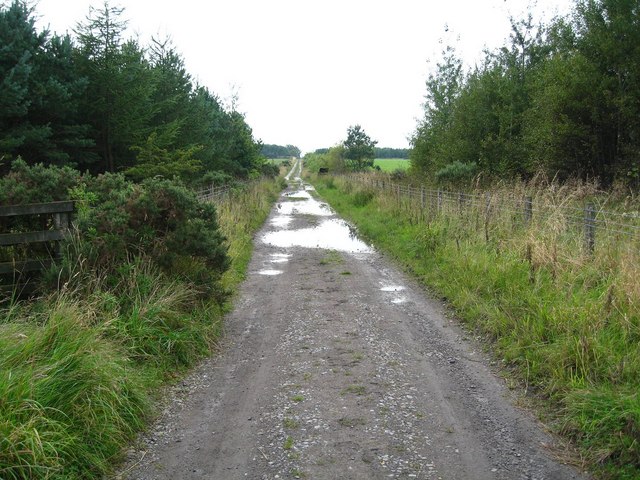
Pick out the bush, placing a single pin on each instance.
(118, 220)
(159, 218)
(37, 183)
(362, 198)
(457, 172)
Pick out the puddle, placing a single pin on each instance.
(332, 234)
(392, 288)
(305, 207)
(279, 259)
(301, 202)
(399, 300)
(270, 272)
(281, 221)
(300, 194)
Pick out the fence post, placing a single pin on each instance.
(422, 197)
(487, 212)
(460, 201)
(439, 200)
(590, 227)
(528, 210)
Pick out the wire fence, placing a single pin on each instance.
(564, 214)
(219, 193)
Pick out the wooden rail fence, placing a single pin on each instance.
(54, 221)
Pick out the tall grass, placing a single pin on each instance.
(78, 369)
(239, 218)
(564, 321)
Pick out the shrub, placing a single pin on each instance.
(362, 198)
(117, 220)
(37, 183)
(457, 172)
(159, 218)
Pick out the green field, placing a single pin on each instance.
(391, 164)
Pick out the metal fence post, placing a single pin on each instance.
(528, 210)
(590, 227)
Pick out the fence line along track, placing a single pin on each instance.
(218, 193)
(590, 219)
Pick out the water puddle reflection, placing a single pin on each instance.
(399, 300)
(279, 258)
(281, 221)
(331, 234)
(300, 194)
(300, 202)
(305, 207)
(270, 272)
(392, 288)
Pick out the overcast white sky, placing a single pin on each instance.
(305, 70)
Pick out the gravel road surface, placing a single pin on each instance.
(335, 365)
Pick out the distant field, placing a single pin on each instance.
(391, 164)
(278, 161)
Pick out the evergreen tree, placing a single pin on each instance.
(39, 92)
(118, 100)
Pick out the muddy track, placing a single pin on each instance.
(335, 365)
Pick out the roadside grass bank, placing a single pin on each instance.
(566, 324)
(79, 369)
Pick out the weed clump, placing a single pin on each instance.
(362, 198)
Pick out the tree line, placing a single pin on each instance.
(355, 153)
(100, 102)
(280, 151)
(561, 98)
(378, 152)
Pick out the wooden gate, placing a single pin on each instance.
(19, 263)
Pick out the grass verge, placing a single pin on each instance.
(78, 369)
(566, 324)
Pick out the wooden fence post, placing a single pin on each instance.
(439, 201)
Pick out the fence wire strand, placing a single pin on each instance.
(591, 217)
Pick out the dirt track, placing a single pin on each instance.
(336, 366)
